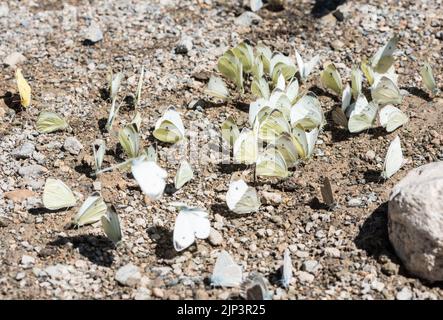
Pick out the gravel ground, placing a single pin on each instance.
(339, 254)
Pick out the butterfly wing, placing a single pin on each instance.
(383, 59)
(331, 79)
(24, 89)
(226, 272)
(183, 235)
(57, 195)
(392, 118)
(346, 98)
(356, 82)
(286, 269)
(150, 177)
(428, 78)
(111, 225)
(184, 174)
(217, 88)
(310, 65)
(386, 92)
(273, 126)
(394, 159)
(326, 192)
(91, 210)
(271, 163)
(286, 145)
(49, 122)
(130, 140)
(339, 117)
(246, 147)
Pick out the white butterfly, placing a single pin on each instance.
(217, 88)
(114, 84)
(57, 195)
(279, 81)
(138, 93)
(292, 91)
(226, 272)
(169, 128)
(190, 223)
(271, 163)
(273, 125)
(241, 198)
(383, 58)
(246, 147)
(256, 4)
(307, 113)
(346, 98)
(99, 149)
(394, 159)
(287, 145)
(428, 78)
(91, 210)
(385, 91)
(391, 118)
(305, 69)
(111, 225)
(184, 174)
(50, 121)
(150, 177)
(230, 131)
(286, 269)
(362, 115)
(305, 141)
(283, 64)
(356, 82)
(265, 54)
(260, 88)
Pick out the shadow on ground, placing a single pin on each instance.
(162, 237)
(323, 7)
(97, 249)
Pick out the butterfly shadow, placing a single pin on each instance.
(97, 249)
(223, 210)
(162, 237)
(104, 93)
(373, 176)
(170, 188)
(319, 92)
(12, 101)
(102, 125)
(229, 168)
(323, 7)
(420, 93)
(378, 132)
(86, 169)
(43, 210)
(206, 104)
(315, 204)
(338, 133)
(275, 277)
(241, 106)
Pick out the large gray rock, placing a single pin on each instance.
(416, 221)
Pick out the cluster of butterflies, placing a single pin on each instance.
(227, 273)
(288, 122)
(283, 120)
(361, 115)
